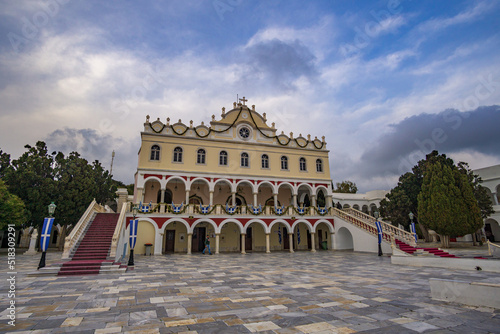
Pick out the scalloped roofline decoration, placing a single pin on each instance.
(203, 131)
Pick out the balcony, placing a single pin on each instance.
(163, 209)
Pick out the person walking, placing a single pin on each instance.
(207, 245)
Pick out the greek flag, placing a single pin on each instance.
(257, 210)
(300, 210)
(322, 211)
(45, 238)
(133, 232)
(279, 234)
(412, 229)
(379, 230)
(298, 235)
(230, 210)
(205, 209)
(177, 209)
(279, 211)
(145, 208)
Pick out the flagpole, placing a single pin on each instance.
(133, 234)
(45, 237)
(379, 232)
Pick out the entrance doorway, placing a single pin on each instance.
(248, 240)
(198, 243)
(309, 240)
(169, 241)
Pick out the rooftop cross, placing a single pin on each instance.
(243, 100)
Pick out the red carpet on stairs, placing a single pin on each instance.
(94, 247)
(409, 249)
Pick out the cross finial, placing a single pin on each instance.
(243, 100)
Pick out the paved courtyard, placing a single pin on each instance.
(323, 292)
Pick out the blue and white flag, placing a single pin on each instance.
(177, 209)
(322, 211)
(230, 210)
(145, 208)
(133, 232)
(298, 235)
(379, 230)
(205, 209)
(412, 228)
(45, 238)
(279, 211)
(257, 210)
(279, 234)
(300, 210)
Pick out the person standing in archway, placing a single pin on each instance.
(207, 245)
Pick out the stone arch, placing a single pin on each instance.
(147, 232)
(259, 221)
(356, 207)
(151, 187)
(346, 206)
(327, 223)
(373, 208)
(492, 230)
(364, 209)
(298, 221)
(248, 182)
(344, 239)
(231, 220)
(171, 220)
(205, 220)
(202, 179)
(276, 221)
(273, 187)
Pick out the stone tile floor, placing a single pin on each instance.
(323, 292)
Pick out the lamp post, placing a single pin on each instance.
(133, 236)
(45, 238)
(379, 232)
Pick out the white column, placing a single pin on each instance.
(233, 198)
(254, 199)
(328, 201)
(313, 200)
(217, 243)
(211, 198)
(243, 236)
(313, 242)
(268, 243)
(158, 244)
(162, 196)
(187, 197)
(295, 200)
(190, 242)
(275, 199)
(290, 241)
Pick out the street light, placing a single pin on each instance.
(379, 232)
(45, 238)
(52, 209)
(133, 236)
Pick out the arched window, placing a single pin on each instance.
(244, 159)
(200, 159)
(223, 158)
(284, 163)
(265, 161)
(302, 164)
(155, 152)
(319, 165)
(178, 154)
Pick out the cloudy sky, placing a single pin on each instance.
(385, 81)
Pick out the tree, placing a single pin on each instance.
(4, 163)
(346, 187)
(31, 178)
(446, 202)
(12, 210)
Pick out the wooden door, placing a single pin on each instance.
(169, 241)
(198, 241)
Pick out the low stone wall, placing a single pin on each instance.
(491, 265)
(468, 293)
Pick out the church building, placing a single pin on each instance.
(237, 181)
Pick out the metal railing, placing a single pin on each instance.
(72, 239)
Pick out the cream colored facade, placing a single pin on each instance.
(236, 181)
